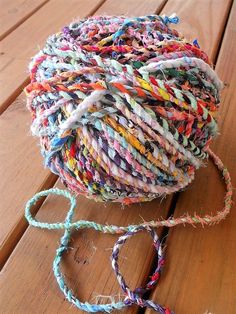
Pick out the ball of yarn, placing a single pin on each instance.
(125, 108)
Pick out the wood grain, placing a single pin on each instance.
(25, 40)
(203, 20)
(200, 274)
(13, 13)
(139, 7)
(22, 173)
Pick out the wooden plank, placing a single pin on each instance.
(90, 273)
(24, 42)
(20, 77)
(20, 177)
(201, 264)
(21, 173)
(13, 13)
(139, 7)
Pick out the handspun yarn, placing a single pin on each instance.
(125, 109)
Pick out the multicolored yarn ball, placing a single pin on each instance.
(125, 109)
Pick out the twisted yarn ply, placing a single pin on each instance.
(125, 110)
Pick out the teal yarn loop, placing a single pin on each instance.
(64, 242)
(68, 226)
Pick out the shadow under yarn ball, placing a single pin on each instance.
(125, 109)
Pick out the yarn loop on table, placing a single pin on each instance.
(125, 109)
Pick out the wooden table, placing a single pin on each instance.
(200, 272)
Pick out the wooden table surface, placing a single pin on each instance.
(200, 272)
